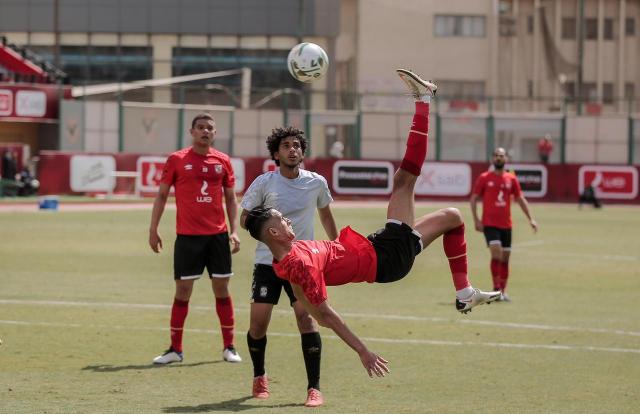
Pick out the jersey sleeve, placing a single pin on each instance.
(324, 198)
(254, 196)
(478, 188)
(517, 189)
(169, 171)
(310, 279)
(229, 180)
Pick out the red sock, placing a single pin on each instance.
(504, 275)
(455, 247)
(416, 151)
(224, 309)
(495, 274)
(179, 312)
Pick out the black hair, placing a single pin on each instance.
(202, 115)
(278, 134)
(256, 220)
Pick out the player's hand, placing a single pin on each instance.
(479, 226)
(155, 241)
(374, 364)
(235, 243)
(534, 225)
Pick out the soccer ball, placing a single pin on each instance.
(307, 62)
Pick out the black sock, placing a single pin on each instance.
(256, 350)
(312, 351)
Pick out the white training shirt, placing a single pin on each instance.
(296, 198)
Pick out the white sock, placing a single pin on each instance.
(465, 293)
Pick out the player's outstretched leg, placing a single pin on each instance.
(448, 223)
(401, 205)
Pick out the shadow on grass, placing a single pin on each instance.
(229, 405)
(116, 368)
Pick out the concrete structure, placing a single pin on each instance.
(488, 56)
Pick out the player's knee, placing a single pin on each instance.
(453, 215)
(306, 323)
(258, 328)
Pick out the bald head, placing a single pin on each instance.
(499, 158)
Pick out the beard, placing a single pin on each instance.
(498, 165)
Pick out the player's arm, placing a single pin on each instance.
(328, 222)
(155, 241)
(474, 211)
(231, 203)
(524, 205)
(329, 318)
(243, 218)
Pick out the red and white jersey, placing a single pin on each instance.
(198, 181)
(496, 191)
(316, 264)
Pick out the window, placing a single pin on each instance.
(608, 29)
(591, 29)
(630, 26)
(530, 24)
(570, 90)
(462, 89)
(266, 76)
(459, 26)
(568, 28)
(101, 64)
(607, 93)
(629, 90)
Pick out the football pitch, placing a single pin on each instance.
(84, 307)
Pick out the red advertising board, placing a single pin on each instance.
(150, 170)
(30, 102)
(613, 182)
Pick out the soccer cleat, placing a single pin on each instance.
(231, 355)
(260, 387)
(503, 298)
(168, 357)
(314, 398)
(478, 297)
(418, 86)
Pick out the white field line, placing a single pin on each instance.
(511, 325)
(368, 339)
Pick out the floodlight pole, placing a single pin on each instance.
(581, 29)
(245, 99)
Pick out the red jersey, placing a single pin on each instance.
(496, 191)
(198, 181)
(316, 264)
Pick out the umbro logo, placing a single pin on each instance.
(315, 251)
(188, 167)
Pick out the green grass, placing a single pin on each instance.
(84, 307)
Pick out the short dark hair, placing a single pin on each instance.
(202, 115)
(278, 134)
(256, 220)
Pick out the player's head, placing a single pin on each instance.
(267, 224)
(287, 145)
(499, 158)
(203, 129)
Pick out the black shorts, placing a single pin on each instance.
(266, 286)
(191, 254)
(396, 246)
(495, 235)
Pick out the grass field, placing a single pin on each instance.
(84, 307)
